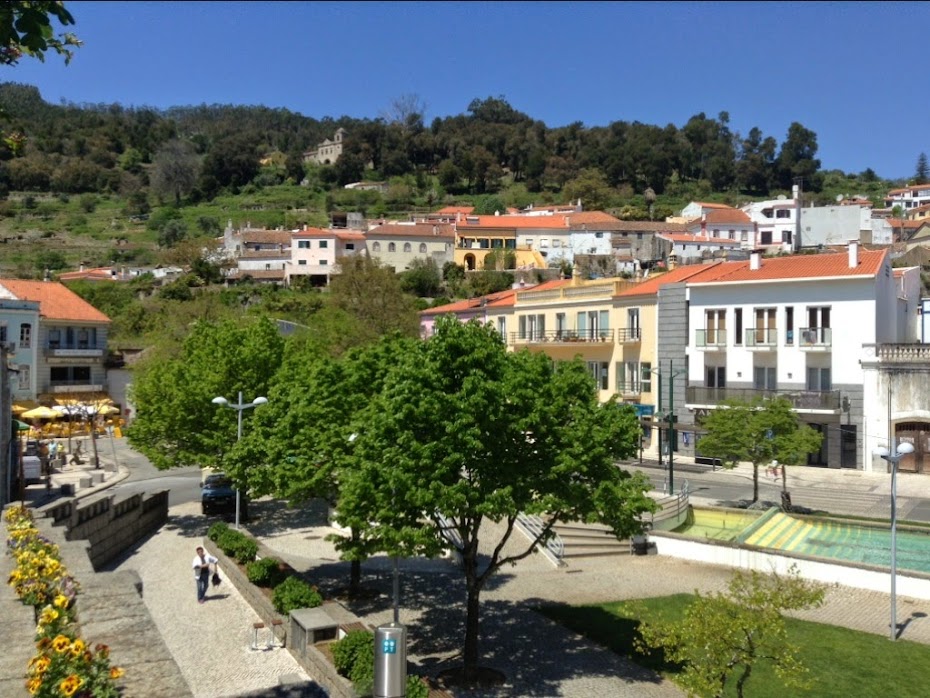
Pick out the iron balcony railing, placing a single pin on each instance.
(711, 339)
(63, 348)
(800, 399)
(633, 334)
(562, 336)
(813, 337)
(762, 338)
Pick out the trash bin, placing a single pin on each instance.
(640, 545)
(390, 661)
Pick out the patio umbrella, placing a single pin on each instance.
(41, 412)
(20, 426)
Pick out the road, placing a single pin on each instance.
(725, 488)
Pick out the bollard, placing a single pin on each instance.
(390, 661)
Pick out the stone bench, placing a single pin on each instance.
(85, 481)
(97, 477)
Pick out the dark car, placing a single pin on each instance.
(218, 496)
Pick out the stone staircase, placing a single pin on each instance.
(589, 540)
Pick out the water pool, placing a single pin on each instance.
(824, 538)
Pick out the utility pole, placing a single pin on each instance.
(670, 417)
(658, 415)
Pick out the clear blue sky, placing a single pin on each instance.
(855, 73)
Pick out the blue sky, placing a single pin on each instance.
(854, 73)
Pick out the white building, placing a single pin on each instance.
(314, 253)
(796, 327)
(908, 197)
(776, 223)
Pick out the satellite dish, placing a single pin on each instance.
(839, 198)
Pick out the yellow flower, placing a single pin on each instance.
(49, 615)
(33, 686)
(61, 644)
(42, 664)
(70, 685)
(61, 601)
(77, 648)
(115, 673)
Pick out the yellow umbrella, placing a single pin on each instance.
(41, 412)
(21, 406)
(108, 409)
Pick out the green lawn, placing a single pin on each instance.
(844, 663)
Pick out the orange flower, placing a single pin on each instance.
(33, 686)
(115, 673)
(70, 685)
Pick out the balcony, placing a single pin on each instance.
(601, 336)
(801, 400)
(762, 339)
(83, 350)
(75, 386)
(711, 340)
(630, 389)
(629, 336)
(816, 338)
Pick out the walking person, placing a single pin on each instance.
(201, 564)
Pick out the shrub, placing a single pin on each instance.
(354, 658)
(416, 688)
(235, 544)
(216, 530)
(293, 593)
(266, 572)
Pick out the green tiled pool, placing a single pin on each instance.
(825, 538)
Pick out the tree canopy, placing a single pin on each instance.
(757, 432)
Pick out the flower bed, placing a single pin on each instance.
(64, 665)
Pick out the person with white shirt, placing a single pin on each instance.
(202, 562)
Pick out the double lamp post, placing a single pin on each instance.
(239, 407)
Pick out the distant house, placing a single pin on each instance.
(315, 251)
(258, 254)
(397, 244)
(327, 152)
(696, 209)
(368, 186)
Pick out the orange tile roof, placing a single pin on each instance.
(803, 266)
(417, 230)
(456, 209)
(273, 236)
(916, 187)
(591, 217)
(56, 301)
(705, 204)
(478, 222)
(652, 285)
(493, 300)
(727, 215)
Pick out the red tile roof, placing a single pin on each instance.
(556, 221)
(417, 230)
(492, 300)
(456, 209)
(727, 215)
(591, 217)
(56, 301)
(264, 236)
(652, 285)
(803, 266)
(705, 204)
(697, 239)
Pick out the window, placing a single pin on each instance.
(556, 243)
(350, 246)
(301, 262)
(303, 244)
(738, 318)
(765, 326)
(744, 236)
(818, 379)
(83, 339)
(392, 247)
(600, 370)
(715, 324)
(54, 339)
(24, 382)
(632, 322)
(543, 243)
(25, 335)
(560, 327)
(783, 213)
(786, 236)
(716, 377)
(324, 244)
(3, 332)
(537, 326)
(764, 377)
(645, 373)
(789, 325)
(627, 378)
(376, 247)
(324, 262)
(599, 235)
(502, 326)
(407, 247)
(422, 248)
(521, 324)
(765, 237)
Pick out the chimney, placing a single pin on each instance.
(672, 261)
(853, 254)
(703, 225)
(755, 260)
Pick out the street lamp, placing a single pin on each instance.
(894, 457)
(239, 407)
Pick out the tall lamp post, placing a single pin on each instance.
(894, 457)
(239, 407)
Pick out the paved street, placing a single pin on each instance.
(210, 642)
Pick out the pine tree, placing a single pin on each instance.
(922, 175)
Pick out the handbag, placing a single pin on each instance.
(216, 579)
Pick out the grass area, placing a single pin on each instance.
(843, 663)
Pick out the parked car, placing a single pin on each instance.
(218, 496)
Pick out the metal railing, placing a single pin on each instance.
(762, 337)
(711, 338)
(533, 527)
(800, 399)
(673, 510)
(816, 337)
(629, 335)
(563, 336)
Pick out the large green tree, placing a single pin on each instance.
(175, 169)
(175, 423)
(757, 432)
(465, 433)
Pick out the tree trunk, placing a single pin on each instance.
(355, 568)
(755, 483)
(473, 591)
(93, 440)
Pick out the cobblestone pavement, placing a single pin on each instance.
(209, 642)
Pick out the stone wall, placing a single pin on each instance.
(109, 527)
